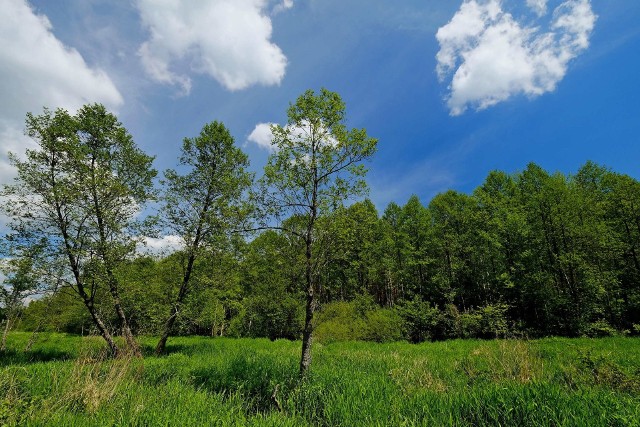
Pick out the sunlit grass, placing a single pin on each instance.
(66, 380)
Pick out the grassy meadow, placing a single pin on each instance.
(66, 381)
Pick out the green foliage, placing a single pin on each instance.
(421, 320)
(599, 329)
(76, 195)
(383, 325)
(264, 316)
(531, 253)
(339, 321)
(359, 319)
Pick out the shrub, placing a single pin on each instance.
(419, 318)
(493, 321)
(383, 325)
(339, 321)
(357, 320)
(600, 329)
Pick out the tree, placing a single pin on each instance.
(316, 166)
(79, 192)
(270, 275)
(20, 282)
(205, 204)
(357, 263)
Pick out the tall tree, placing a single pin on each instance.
(114, 178)
(316, 166)
(79, 192)
(205, 204)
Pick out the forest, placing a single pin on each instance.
(300, 252)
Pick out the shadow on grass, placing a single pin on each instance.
(262, 381)
(149, 350)
(13, 357)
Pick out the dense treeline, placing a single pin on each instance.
(530, 254)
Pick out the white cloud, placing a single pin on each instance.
(229, 40)
(262, 136)
(160, 246)
(37, 70)
(490, 56)
(538, 6)
(282, 6)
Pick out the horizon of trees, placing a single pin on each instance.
(525, 254)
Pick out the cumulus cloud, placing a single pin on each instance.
(490, 56)
(229, 40)
(37, 70)
(262, 136)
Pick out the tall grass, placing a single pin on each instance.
(66, 381)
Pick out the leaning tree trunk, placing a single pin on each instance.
(175, 309)
(104, 332)
(162, 343)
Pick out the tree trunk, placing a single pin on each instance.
(176, 307)
(32, 339)
(7, 327)
(132, 345)
(162, 343)
(307, 334)
(113, 348)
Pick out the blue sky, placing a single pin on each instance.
(452, 90)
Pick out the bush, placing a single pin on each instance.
(358, 320)
(339, 321)
(493, 321)
(419, 318)
(383, 325)
(600, 329)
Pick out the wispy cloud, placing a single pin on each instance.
(538, 6)
(282, 6)
(489, 56)
(229, 40)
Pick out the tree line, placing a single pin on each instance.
(294, 254)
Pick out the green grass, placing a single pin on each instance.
(65, 381)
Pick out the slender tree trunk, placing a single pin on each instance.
(307, 334)
(32, 338)
(104, 332)
(184, 287)
(7, 327)
(175, 309)
(75, 268)
(162, 343)
(132, 345)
